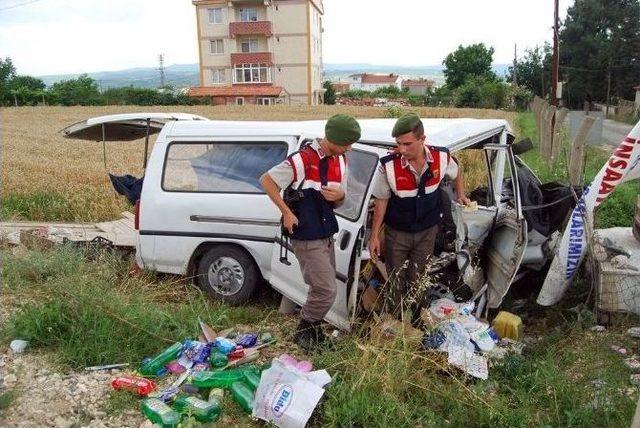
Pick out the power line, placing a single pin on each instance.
(24, 3)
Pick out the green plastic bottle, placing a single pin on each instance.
(218, 359)
(159, 413)
(243, 395)
(154, 365)
(252, 379)
(219, 379)
(203, 411)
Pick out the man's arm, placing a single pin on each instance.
(454, 169)
(273, 190)
(379, 210)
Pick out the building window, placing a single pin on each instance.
(252, 73)
(249, 14)
(215, 15)
(265, 101)
(239, 101)
(217, 76)
(217, 46)
(249, 45)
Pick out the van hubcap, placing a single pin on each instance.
(226, 276)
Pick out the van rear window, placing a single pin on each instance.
(220, 167)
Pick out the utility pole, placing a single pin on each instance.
(554, 68)
(161, 69)
(555, 59)
(515, 64)
(606, 113)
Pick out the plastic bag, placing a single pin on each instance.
(285, 396)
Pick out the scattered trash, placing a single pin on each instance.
(106, 367)
(18, 345)
(635, 379)
(622, 262)
(242, 395)
(303, 366)
(598, 328)
(154, 366)
(633, 364)
(286, 397)
(247, 340)
(388, 328)
(208, 333)
(135, 384)
(159, 413)
(634, 332)
(203, 411)
(508, 325)
(619, 350)
(468, 361)
(216, 393)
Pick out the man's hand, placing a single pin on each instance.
(332, 194)
(290, 221)
(374, 247)
(463, 200)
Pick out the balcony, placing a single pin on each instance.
(263, 2)
(251, 28)
(252, 58)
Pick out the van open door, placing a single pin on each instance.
(508, 237)
(286, 276)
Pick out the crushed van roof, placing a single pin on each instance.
(440, 132)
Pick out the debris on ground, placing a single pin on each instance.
(598, 328)
(189, 379)
(18, 345)
(287, 396)
(468, 341)
(633, 364)
(634, 332)
(619, 350)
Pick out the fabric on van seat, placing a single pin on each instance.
(128, 186)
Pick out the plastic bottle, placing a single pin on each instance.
(203, 411)
(153, 366)
(252, 379)
(138, 385)
(159, 413)
(216, 394)
(243, 395)
(220, 379)
(218, 359)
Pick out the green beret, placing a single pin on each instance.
(342, 129)
(405, 123)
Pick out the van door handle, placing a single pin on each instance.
(343, 239)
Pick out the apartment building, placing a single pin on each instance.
(260, 51)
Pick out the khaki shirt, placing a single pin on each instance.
(382, 190)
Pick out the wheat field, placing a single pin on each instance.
(39, 166)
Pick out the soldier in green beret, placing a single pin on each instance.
(409, 203)
(318, 175)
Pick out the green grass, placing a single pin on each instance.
(86, 310)
(90, 312)
(6, 398)
(616, 211)
(43, 206)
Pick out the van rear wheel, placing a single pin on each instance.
(227, 273)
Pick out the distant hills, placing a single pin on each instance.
(186, 75)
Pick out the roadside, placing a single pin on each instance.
(614, 132)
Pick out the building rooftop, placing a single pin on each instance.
(379, 78)
(418, 82)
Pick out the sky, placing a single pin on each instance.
(76, 36)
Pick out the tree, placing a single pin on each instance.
(80, 91)
(29, 82)
(534, 70)
(329, 93)
(470, 61)
(7, 71)
(600, 39)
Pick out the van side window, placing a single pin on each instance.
(220, 167)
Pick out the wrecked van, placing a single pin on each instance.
(203, 213)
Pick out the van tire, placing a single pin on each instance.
(228, 265)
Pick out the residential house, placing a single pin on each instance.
(418, 86)
(260, 51)
(371, 82)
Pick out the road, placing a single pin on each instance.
(613, 132)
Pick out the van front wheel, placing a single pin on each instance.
(227, 273)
